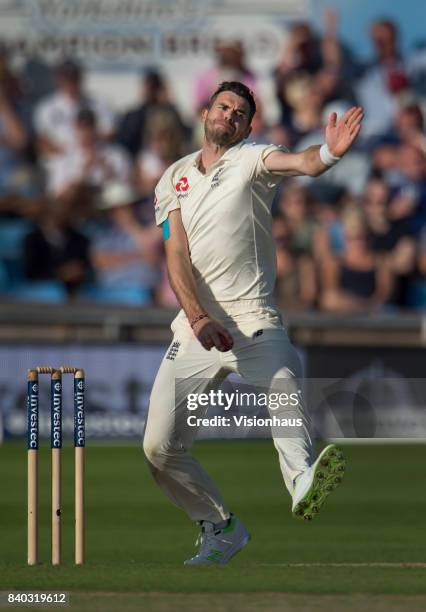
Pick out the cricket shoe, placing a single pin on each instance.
(316, 483)
(218, 546)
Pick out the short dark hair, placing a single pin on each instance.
(240, 90)
(86, 117)
(153, 78)
(388, 23)
(69, 69)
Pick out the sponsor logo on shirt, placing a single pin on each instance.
(182, 185)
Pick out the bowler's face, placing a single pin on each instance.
(226, 122)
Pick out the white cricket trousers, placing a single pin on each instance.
(168, 438)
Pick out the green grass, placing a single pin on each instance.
(137, 540)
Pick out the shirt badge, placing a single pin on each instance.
(216, 178)
(182, 185)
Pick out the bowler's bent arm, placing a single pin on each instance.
(179, 267)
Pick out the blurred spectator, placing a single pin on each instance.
(125, 255)
(422, 253)
(327, 62)
(164, 294)
(295, 230)
(230, 66)
(358, 280)
(408, 124)
(408, 204)
(17, 177)
(331, 86)
(393, 240)
(277, 134)
(339, 67)
(262, 133)
(133, 125)
(38, 80)
(304, 105)
(296, 286)
(56, 251)
(384, 80)
(295, 207)
(407, 128)
(416, 66)
(55, 115)
(163, 145)
(384, 162)
(417, 295)
(383, 235)
(78, 175)
(259, 130)
(328, 238)
(301, 51)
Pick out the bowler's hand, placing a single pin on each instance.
(212, 334)
(339, 135)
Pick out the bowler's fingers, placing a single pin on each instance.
(345, 118)
(357, 116)
(351, 115)
(214, 335)
(354, 133)
(227, 340)
(210, 340)
(332, 119)
(221, 340)
(354, 118)
(207, 343)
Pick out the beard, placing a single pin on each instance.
(220, 135)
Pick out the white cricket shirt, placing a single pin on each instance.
(226, 214)
(55, 117)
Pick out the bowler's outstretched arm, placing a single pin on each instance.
(339, 137)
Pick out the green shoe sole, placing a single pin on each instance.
(329, 471)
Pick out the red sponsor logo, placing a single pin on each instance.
(182, 185)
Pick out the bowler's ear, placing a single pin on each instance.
(204, 114)
(248, 131)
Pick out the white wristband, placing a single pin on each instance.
(328, 158)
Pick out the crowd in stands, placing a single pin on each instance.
(77, 181)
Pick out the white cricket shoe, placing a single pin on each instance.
(317, 482)
(218, 546)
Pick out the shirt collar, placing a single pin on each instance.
(229, 154)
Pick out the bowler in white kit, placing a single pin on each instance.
(215, 210)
